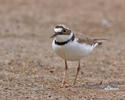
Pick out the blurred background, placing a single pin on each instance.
(30, 70)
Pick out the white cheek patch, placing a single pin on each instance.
(58, 29)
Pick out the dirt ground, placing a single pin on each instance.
(30, 70)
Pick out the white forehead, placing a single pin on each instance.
(58, 29)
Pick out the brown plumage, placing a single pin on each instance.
(66, 31)
(90, 41)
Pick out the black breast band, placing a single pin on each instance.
(65, 42)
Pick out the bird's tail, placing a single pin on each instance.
(98, 42)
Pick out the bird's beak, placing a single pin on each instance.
(55, 34)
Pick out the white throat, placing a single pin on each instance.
(62, 38)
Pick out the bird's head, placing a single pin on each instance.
(61, 33)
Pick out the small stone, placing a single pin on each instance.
(51, 71)
(38, 89)
(108, 87)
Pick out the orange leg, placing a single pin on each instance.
(64, 77)
(78, 69)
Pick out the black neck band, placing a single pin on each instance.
(65, 42)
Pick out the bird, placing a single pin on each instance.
(71, 48)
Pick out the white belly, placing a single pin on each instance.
(72, 51)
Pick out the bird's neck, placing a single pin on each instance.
(62, 38)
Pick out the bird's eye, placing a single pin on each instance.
(64, 31)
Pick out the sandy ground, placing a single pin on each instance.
(30, 70)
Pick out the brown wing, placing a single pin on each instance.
(86, 40)
(90, 41)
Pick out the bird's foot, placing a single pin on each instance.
(65, 84)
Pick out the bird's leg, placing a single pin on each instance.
(78, 69)
(64, 77)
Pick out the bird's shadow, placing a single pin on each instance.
(111, 85)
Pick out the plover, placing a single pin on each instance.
(70, 48)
